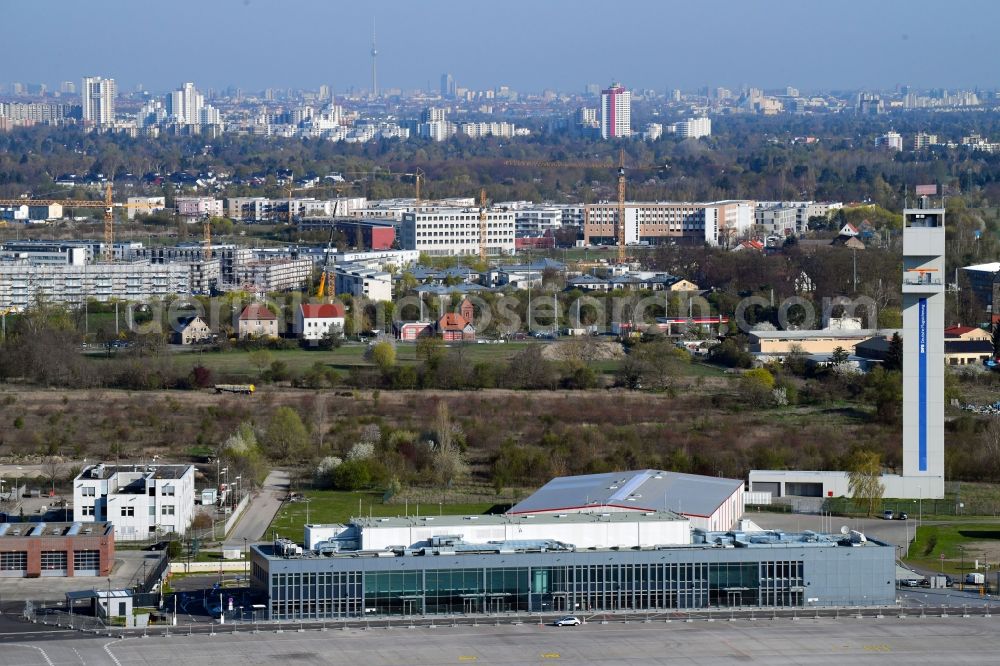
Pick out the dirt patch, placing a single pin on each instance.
(584, 349)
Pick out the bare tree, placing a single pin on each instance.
(449, 461)
(53, 469)
(864, 479)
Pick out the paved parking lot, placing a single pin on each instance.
(952, 640)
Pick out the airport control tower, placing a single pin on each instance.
(923, 350)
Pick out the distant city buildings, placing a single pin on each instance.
(693, 128)
(890, 141)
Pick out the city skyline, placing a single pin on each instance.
(844, 46)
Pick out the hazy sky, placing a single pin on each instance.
(526, 44)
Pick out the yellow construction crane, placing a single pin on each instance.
(482, 224)
(620, 217)
(107, 204)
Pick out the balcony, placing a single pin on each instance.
(920, 282)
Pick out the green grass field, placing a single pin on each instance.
(332, 506)
(238, 363)
(980, 541)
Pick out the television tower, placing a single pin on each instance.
(374, 57)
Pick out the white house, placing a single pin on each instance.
(314, 320)
(140, 500)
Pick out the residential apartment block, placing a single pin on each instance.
(22, 283)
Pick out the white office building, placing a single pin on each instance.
(455, 231)
(362, 282)
(143, 501)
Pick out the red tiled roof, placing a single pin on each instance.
(256, 311)
(322, 310)
(958, 330)
(452, 321)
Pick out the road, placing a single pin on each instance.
(912, 640)
(256, 517)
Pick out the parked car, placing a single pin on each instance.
(901, 516)
(888, 514)
(568, 621)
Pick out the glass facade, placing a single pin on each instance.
(565, 588)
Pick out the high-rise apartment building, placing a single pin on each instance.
(184, 105)
(616, 112)
(448, 88)
(98, 99)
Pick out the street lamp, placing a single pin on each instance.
(961, 571)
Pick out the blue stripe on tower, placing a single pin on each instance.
(922, 385)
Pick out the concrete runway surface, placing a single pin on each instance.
(933, 640)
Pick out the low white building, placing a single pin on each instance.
(314, 320)
(142, 501)
(583, 530)
(361, 282)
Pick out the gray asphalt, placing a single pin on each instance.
(263, 507)
(952, 640)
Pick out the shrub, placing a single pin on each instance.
(351, 475)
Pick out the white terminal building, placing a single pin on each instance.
(141, 500)
(923, 377)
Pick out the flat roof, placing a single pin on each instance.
(548, 518)
(105, 472)
(826, 333)
(53, 530)
(642, 490)
(703, 541)
(991, 267)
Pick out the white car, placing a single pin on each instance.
(568, 621)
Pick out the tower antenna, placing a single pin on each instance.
(374, 56)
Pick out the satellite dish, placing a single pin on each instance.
(844, 530)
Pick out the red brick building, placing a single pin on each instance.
(457, 326)
(33, 550)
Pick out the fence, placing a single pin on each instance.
(914, 508)
(251, 625)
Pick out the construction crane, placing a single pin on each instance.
(620, 217)
(107, 204)
(321, 292)
(482, 224)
